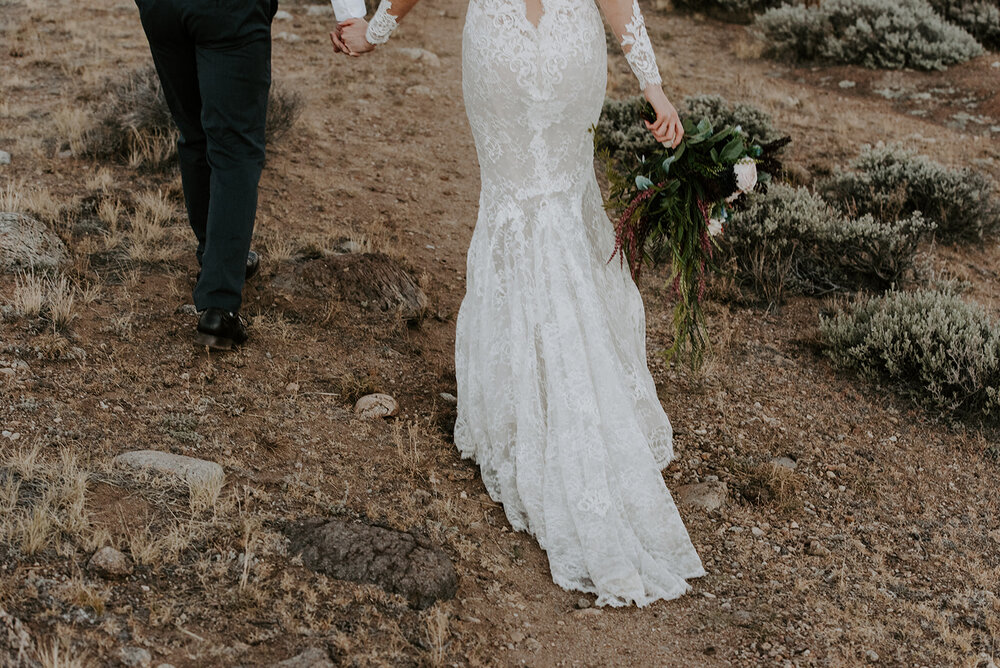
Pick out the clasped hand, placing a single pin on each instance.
(667, 128)
(350, 37)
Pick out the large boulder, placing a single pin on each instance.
(190, 470)
(399, 562)
(27, 244)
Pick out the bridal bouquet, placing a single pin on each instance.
(673, 204)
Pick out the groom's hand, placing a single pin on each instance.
(338, 42)
(352, 35)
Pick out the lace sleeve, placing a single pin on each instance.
(382, 25)
(627, 22)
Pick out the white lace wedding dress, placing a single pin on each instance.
(555, 401)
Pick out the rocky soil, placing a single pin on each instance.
(839, 524)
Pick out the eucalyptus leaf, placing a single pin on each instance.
(733, 150)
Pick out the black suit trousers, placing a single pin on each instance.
(213, 58)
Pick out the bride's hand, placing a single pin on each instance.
(667, 128)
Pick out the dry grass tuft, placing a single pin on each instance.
(71, 126)
(58, 657)
(352, 386)
(767, 485)
(438, 634)
(156, 206)
(51, 298)
(28, 298)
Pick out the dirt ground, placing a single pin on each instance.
(881, 546)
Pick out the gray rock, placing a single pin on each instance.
(110, 563)
(282, 15)
(135, 657)
(186, 309)
(376, 406)
(448, 398)
(708, 496)
(289, 37)
(313, 657)
(420, 89)
(26, 244)
(587, 612)
(187, 469)
(16, 646)
(319, 10)
(400, 562)
(422, 56)
(785, 463)
(350, 246)
(4, 158)
(582, 603)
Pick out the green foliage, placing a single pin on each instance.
(720, 113)
(892, 182)
(979, 17)
(621, 133)
(890, 34)
(935, 347)
(790, 239)
(670, 202)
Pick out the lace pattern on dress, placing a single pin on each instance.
(382, 25)
(555, 400)
(639, 50)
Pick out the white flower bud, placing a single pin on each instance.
(746, 174)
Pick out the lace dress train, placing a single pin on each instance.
(556, 403)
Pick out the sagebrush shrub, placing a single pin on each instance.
(980, 18)
(621, 132)
(932, 345)
(892, 182)
(721, 112)
(890, 34)
(791, 239)
(135, 124)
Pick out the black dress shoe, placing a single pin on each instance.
(253, 264)
(220, 330)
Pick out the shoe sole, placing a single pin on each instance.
(213, 342)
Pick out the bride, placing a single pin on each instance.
(555, 401)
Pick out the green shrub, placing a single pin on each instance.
(721, 112)
(890, 34)
(933, 346)
(134, 123)
(979, 17)
(621, 132)
(891, 182)
(791, 239)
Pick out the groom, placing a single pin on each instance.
(213, 58)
